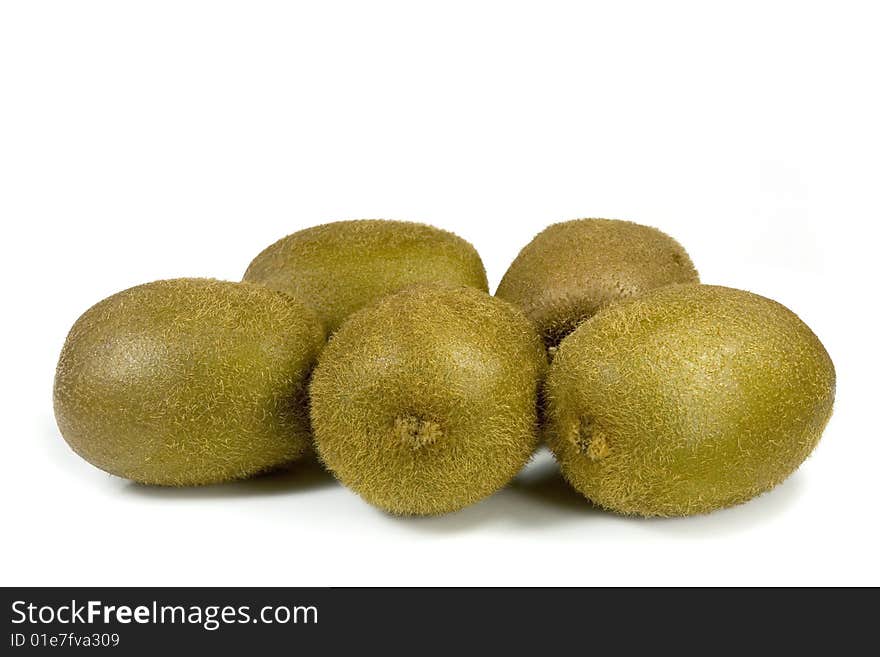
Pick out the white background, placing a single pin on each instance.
(147, 140)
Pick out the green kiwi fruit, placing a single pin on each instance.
(572, 269)
(426, 402)
(341, 267)
(188, 381)
(686, 399)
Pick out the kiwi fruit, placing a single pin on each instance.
(341, 267)
(572, 269)
(188, 381)
(687, 399)
(426, 402)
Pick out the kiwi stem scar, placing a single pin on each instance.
(417, 432)
(591, 440)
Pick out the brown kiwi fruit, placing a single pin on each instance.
(572, 269)
(426, 402)
(344, 266)
(188, 381)
(686, 399)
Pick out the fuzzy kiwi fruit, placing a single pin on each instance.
(572, 269)
(687, 399)
(426, 402)
(341, 267)
(188, 381)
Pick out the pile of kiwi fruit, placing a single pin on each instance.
(376, 346)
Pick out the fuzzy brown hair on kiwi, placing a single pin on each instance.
(572, 269)
(341, 267)
(426, 402)
(687, 399)
(188, 381)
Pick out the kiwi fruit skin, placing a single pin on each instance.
(188, 381)
(572, 269)
(685, 400)
(344, 266)
(426, 402)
